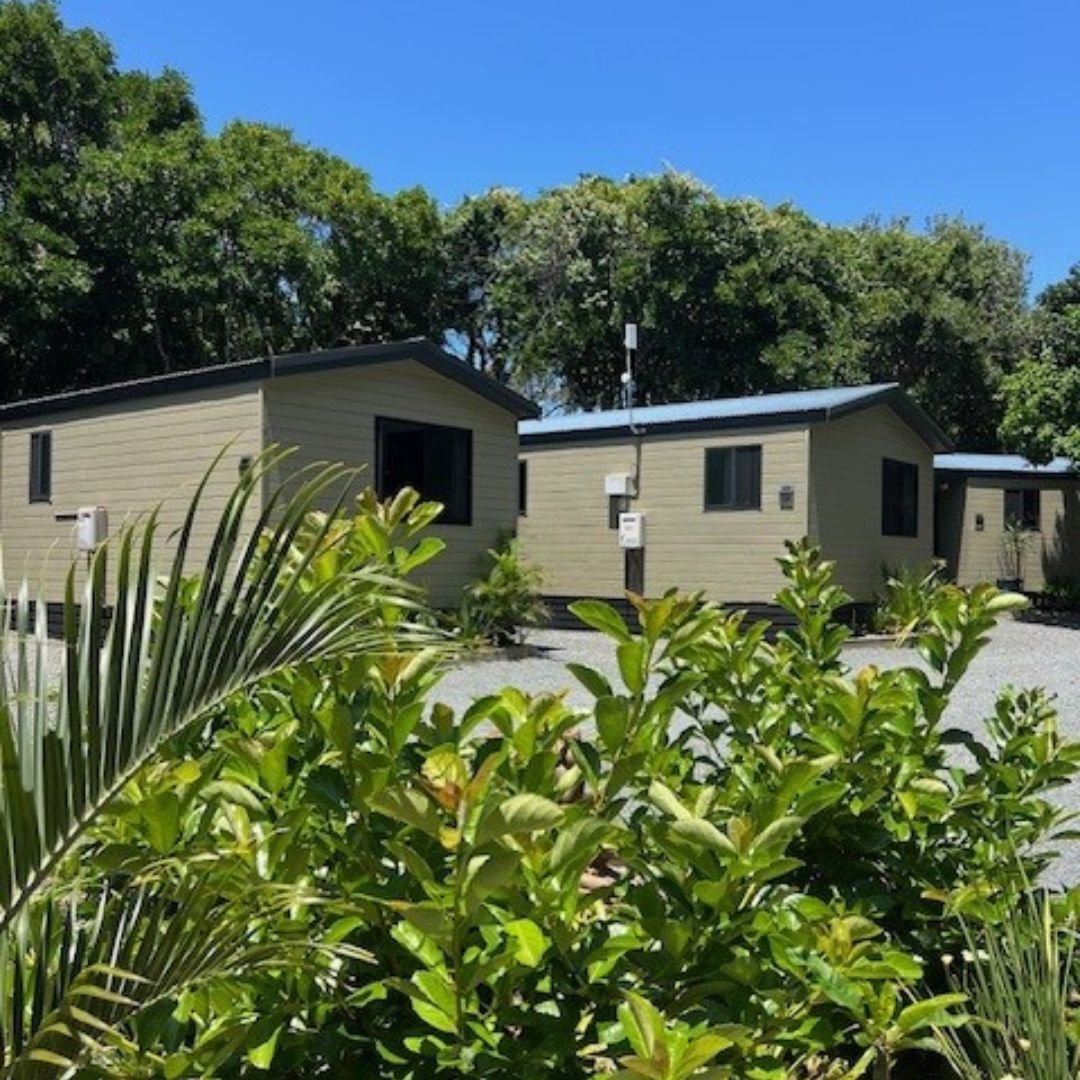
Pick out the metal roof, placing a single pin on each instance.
(1000, 465)
(421, 350)
(788, 408)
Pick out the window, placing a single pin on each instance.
(523, 487)
(1022, 507)
(435, 460)
(616, 505)
(40, 466)
(733, 478)
(899, 498)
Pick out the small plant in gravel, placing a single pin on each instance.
(505, 600)
(907, 597)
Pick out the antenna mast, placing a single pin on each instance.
(630, 341)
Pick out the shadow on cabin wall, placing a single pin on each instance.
(1061, 569)
(1061, 555)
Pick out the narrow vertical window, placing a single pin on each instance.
(40, 466)
(523, 488)
(899, 498)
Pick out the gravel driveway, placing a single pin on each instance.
(1020, 653)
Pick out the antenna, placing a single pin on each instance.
(627, 379)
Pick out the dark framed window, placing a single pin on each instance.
(523, 488)
(433, 459)
(899, 498)
(1022, 507)
(733, 478)
(40, 466)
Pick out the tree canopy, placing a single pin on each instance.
(134, 242)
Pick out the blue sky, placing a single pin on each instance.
(846, 109)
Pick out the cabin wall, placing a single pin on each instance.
(731, 554)
(330, 416)
(128, 457)
(846, 496)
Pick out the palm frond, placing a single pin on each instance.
(161, 662)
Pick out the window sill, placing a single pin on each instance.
(730, 509)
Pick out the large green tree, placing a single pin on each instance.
(132, 243)
(734, 297)
(1041, 398)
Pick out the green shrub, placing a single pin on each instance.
(1061, 594)
(907, 597)
(505, 600)
(738, 861)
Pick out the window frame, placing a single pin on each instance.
(754, 502)
(40, 480)
(1022, 518)
(910, 468)
(386, 424)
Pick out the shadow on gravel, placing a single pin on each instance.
(1067, 620)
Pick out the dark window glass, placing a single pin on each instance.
(1022, 507)
(733, 478)
(899, 498)
(523, 487)
(40, 466)
(435, 460)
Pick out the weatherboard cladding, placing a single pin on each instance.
(793, 408)
(269, 367)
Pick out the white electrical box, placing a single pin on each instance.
(632, 530)
(91, 527)
(619, 483)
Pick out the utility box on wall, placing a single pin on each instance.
(619, 484)
(632, 530)
(91, 527)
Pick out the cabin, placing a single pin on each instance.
(407, 412)
(978, 495)
(702, 495)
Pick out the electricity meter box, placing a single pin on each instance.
(632, 530)
(619, 483)
(91, 527)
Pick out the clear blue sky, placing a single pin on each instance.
(905, 108)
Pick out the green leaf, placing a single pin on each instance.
(600, 616)
(933, 1012)
(704, 833)
(612, 716)
(262, 1056)
(410, 806)
(591, 679)
(663, 797)
(162, 816)
(530, 942)
(525, 813)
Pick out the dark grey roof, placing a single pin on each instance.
(1003, 465)
(270, 367)
(791, 408)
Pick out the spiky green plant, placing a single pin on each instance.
(163, 660)
(1021, 981)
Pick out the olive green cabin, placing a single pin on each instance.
(702, 495)
(979, 495)
(407, 412)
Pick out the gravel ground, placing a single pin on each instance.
(1021, 654)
